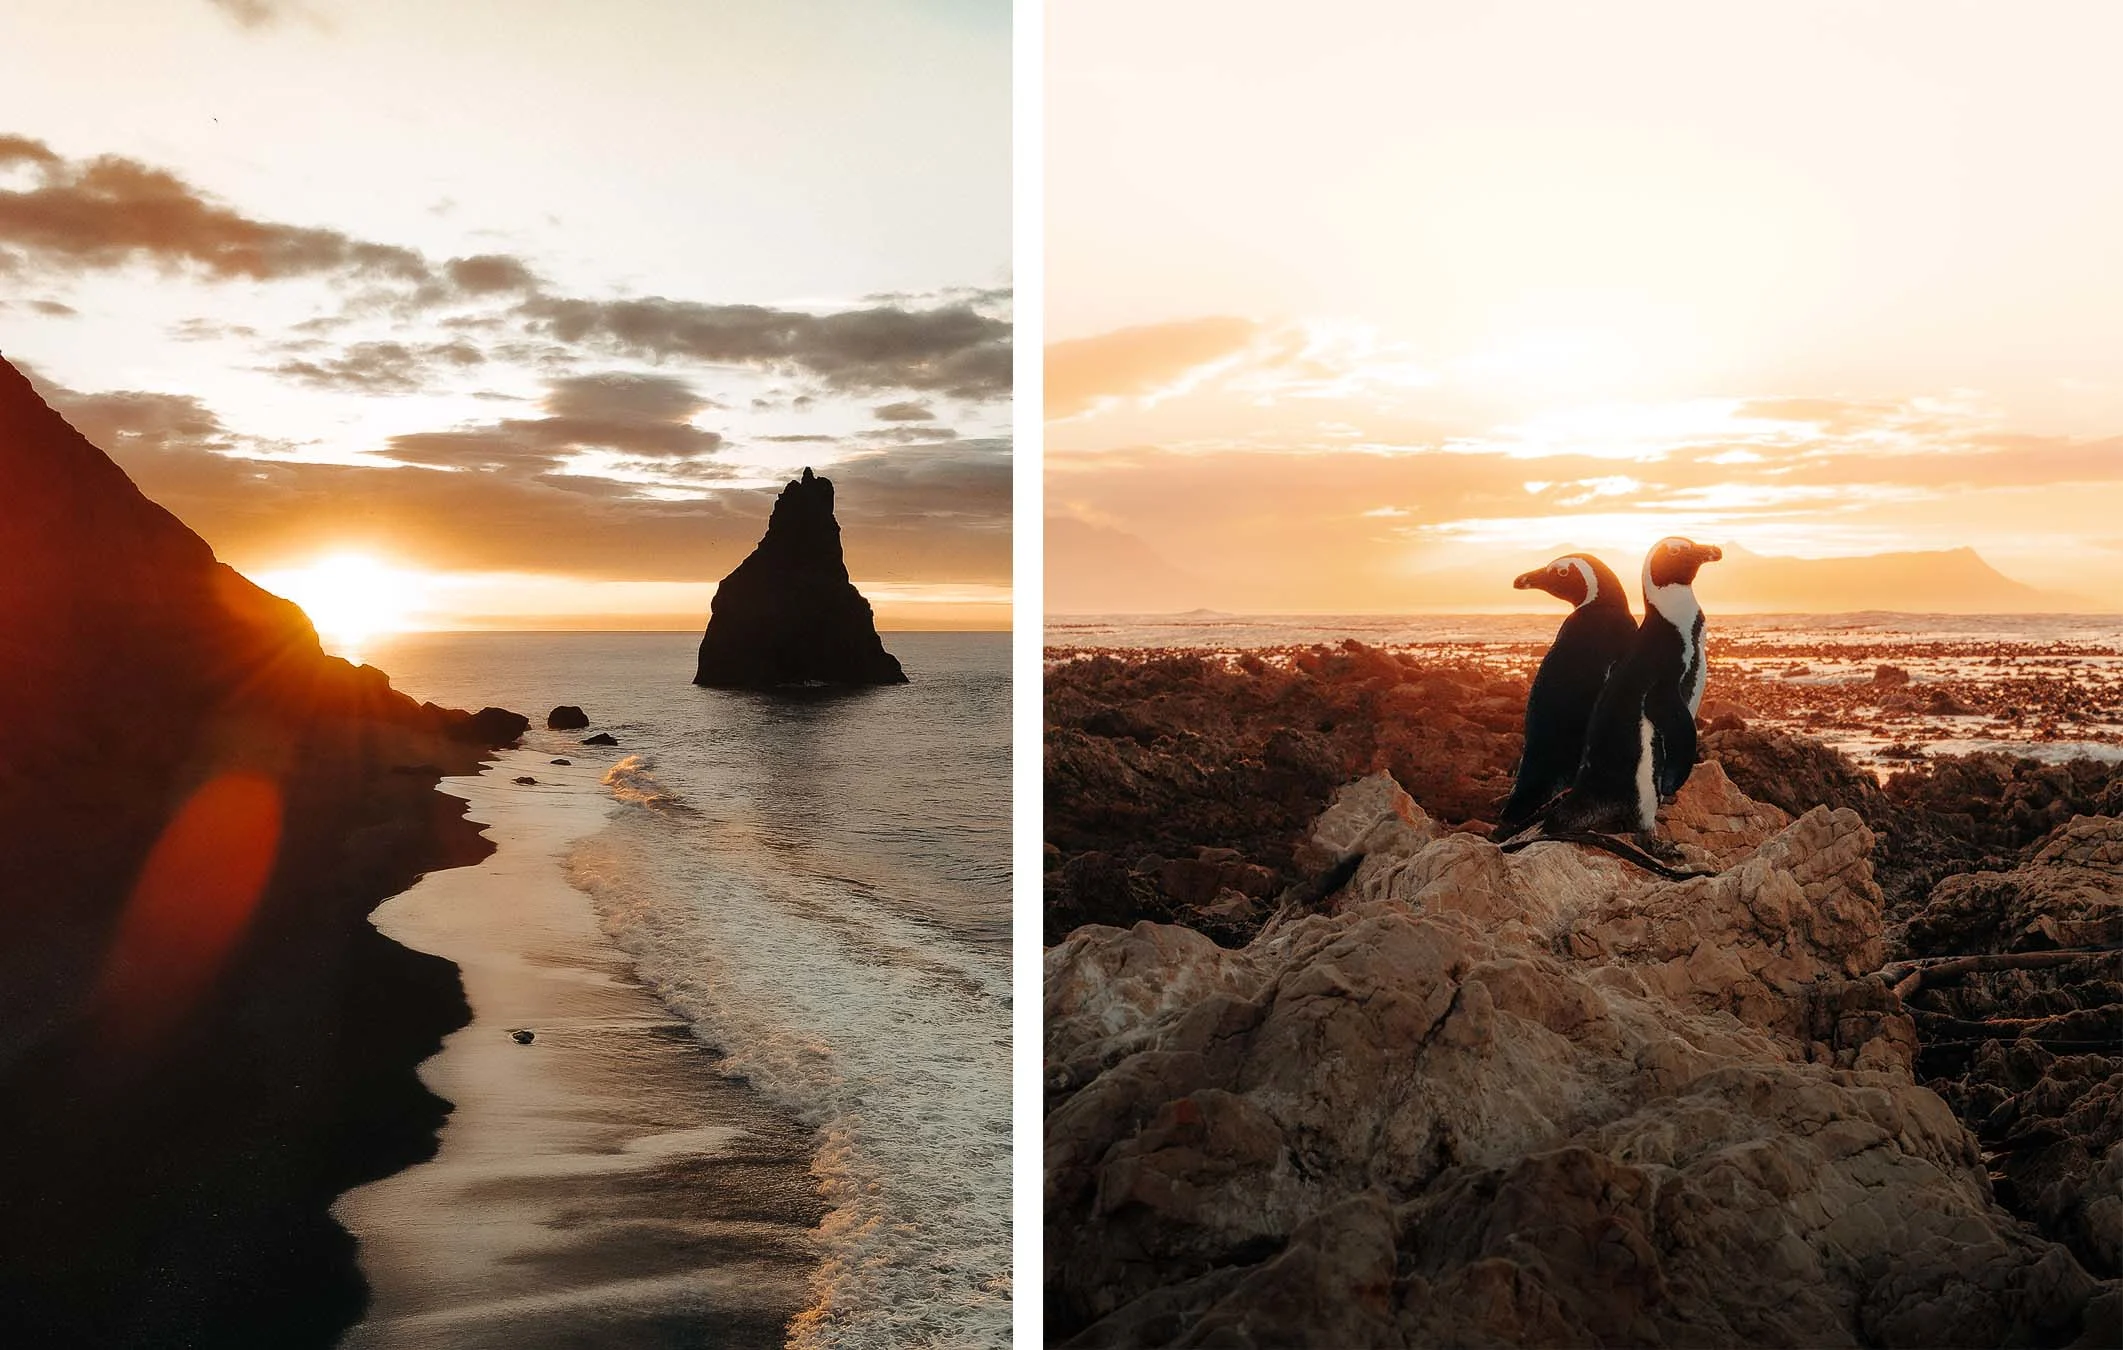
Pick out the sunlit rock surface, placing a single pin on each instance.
(1530, 1099)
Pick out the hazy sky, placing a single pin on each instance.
(538, 298)
(1352, 304)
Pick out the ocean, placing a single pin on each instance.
(820, 885)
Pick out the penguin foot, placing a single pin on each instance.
(1664, 850)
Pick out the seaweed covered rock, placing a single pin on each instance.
(788, 614)
(2032, 1058)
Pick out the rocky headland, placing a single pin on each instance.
(789, 615)
(202, 1039)
(1324, 1067)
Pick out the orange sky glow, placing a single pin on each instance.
(1371, 306)
(529, 307)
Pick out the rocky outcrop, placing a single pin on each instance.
(184, 762)
(1150, 760)
(1541, 1098)
(789, 615)
(566, 717)
(2032, 1059)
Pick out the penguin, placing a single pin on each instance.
(1642, 733)
(1594, 636)
(1669, 591)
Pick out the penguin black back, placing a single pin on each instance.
(1595, 635)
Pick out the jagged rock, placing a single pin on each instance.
(2069, 894)
(566, 717)
(788, 614)
(1713, 822)
(493, 727)
(1371, 816)
(1166, 755)
(1996, 803)
(1719, 714)
(1794, 773)
(525, 780)
(1888, 677)
(2033, 1059)
(601, 738)
(1539, 1098)
(560, 761)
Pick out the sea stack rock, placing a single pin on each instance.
(789, 614)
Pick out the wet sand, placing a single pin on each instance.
(603, 1184)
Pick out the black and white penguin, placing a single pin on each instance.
(1669, 592)
(1642, 734)
(1594, 636)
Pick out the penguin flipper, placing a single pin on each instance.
(1673, 738)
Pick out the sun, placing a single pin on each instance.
(351, 598)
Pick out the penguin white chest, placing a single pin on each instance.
(1676, 604)
(1695, 671)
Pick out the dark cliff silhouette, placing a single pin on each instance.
(788, 614)
(202, 1039)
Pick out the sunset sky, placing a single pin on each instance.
(1370, 306)
(522, 310)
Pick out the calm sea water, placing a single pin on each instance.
(821, 885)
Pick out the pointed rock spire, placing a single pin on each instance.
(788, 614)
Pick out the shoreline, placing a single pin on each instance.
(288, 1082)
(605, 1179)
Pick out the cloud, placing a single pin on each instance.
(950, 349)
(256, 13)
(1132, 362)
(639, 416)
(909, 435)
(382, 367)
(917, 513)
(487, 273)
(109, 211)
(134, 423)
(902, 412)
(74, 216)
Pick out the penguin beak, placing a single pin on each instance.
(1525, 581)
(1708, 553)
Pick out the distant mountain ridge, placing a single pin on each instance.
(1094, 569)
(1945, 581)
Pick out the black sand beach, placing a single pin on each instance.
(603, 1183)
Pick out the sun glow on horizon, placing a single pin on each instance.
(352, 598)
